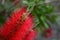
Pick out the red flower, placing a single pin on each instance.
(23, 29)
(47, 33)
(31, 35)
(10, 24)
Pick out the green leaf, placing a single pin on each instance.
(52, 19)
(44, 21)
(49, 8)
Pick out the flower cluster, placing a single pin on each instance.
(47, 32)
(15, 28)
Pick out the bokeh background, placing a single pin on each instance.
(56, 28)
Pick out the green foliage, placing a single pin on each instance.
(42, 12)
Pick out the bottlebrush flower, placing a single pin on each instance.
(31, 35)
(10, 24)
(47, 33)
(23, 29)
